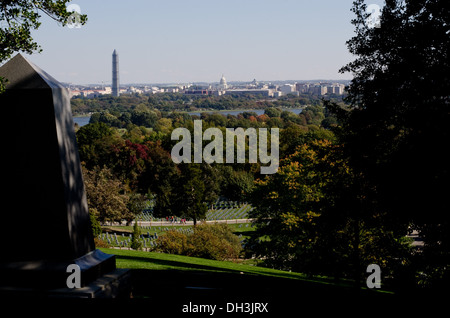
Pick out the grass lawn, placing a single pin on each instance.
(161, 261)
(170, 262)
(159, 276)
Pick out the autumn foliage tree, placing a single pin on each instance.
(310, 219)
(212, 241)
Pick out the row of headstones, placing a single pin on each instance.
(230, 213)
(107, 236)
(219, 214)
(165, 229)
(148, 216)
(109, 239)
(229, 204)
(148, 227)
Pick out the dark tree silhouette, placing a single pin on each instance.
(397, 126)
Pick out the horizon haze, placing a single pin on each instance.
(196, 41)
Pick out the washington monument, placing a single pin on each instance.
(115, 74)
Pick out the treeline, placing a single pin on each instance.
(123, 168)
(307, 216)
(168, 102)
(163, 121)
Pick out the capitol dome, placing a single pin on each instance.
(223, 83)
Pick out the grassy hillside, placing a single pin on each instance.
(159, 277)
(160, 261)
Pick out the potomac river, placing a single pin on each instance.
(81, 121)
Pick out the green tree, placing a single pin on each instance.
(190, 192)
(136, 204)
(136, 244)
(105, 195)
(396, 127)
(164, 125)
(158, 177)
(96, 144)
(272, 112)
(236, 184)
(20, 17)
(95, 225)
(145, 117)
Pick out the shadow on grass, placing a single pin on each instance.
(161, 277)
(176, 265)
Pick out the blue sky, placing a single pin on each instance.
(180, 41)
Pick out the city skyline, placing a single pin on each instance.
(180, 42)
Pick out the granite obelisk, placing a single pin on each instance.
(45, 219)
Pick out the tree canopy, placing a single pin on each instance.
(395, 129)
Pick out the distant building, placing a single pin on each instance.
(302, 88)
(277, 94)
(286, 89)
(318, 90)
(330, 89)
(197, 92)
(263, 92)
(90, 93)
(223, 83)
(115, 74)
(132, 90)
(339, 89)
(336, 89)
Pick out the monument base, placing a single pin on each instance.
(116, 284)
(45, 275)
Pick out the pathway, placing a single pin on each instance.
(190, 223)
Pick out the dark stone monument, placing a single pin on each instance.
(45, 224)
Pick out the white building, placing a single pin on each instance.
(223, 83)
(263, 92)
(287, 88)
(277, 94)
